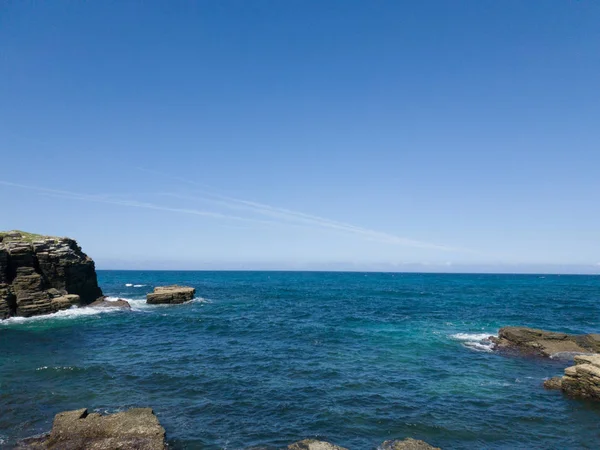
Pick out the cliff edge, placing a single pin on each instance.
(43, 274)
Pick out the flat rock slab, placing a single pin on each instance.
(103, 303)
(545, 343)
(170, 295)
(136, 428)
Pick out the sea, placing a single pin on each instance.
(263, 359)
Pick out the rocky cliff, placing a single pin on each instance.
(43, 274)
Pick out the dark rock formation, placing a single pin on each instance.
(137, 428)
(581, 380)
(42, 274)
(170, 295)
(103, 303)
(313, 444)
(407, 444)
(545, 343)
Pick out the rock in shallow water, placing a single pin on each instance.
(407, 444)
(103, 303)
(170, 295)
(583, 379)
(313, 444)
(136, 428)
(545, 343)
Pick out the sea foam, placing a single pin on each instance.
(475, 341)
(71, 313)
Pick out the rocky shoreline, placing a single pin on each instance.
(43, 274)
(581, 380)
(139, 429)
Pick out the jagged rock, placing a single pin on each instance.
(313, 444)
(103, 303)
(41, 275)
(136, 428)
(407, 444)
(170, 295)
(545, 343)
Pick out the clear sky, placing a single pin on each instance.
(393, 135)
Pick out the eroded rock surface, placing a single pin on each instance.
(545, 343)
(136, 428)
(43, 274)
(170, 295)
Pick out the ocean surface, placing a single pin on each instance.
(268, 358)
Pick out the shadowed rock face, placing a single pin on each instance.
(137, 428)
(42, 274)
(545, 343)
(170, 295)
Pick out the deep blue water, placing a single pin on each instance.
(268, 358)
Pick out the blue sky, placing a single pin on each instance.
(424, 135)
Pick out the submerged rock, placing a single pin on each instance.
(170, 295)
(136, 428)
(43, 274)
(313, 444)
(407, 444)
(544, 343)
(103, 303)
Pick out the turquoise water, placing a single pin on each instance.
(267, 358)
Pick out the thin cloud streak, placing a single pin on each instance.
(296, 216)
(283, 216)
(131, 203)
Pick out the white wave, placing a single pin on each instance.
(470, 336)
(567, 356)
(128, 284)
(476, 341)
(83, 311)
(139, 285)
(56, 368)
(70, 313)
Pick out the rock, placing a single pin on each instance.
(553, 383)
(407, 444)
(103, 303)
(313, 444)
(42, 274)
(136, 428)
(170, 295)
(583, 379)
(545, 343)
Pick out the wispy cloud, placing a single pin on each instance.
(291, 216)
(129, 203)
(273, 215)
